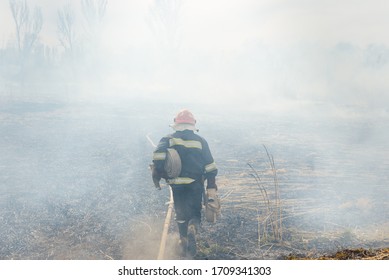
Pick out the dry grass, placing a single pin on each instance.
(75, 188)
(257, 224)
(269, 214)
(349, 254)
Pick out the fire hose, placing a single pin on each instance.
(162, 244)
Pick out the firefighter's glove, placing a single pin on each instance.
(156, 176)
(211, 183)
(213, 201)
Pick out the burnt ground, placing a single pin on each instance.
(75, 184)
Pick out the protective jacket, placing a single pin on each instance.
(196, 158)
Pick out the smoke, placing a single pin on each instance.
(308, 80)
(264, 56)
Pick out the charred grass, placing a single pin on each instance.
(75, 185)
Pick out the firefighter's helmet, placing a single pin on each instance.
(185, 116)
(184, 120)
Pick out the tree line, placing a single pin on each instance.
(26, 58)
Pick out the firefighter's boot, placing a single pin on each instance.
(183, 246)
(193, 227)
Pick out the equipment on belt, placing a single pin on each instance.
(172, 164)
(212, 205)
(172, 168)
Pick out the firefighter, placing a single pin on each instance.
(188, 156)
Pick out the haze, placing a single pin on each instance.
(308, 79)
(268, 55)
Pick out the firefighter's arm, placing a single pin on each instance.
(159, 157)
(210, 168)
(211, 190)
(211, 182)
(155, 176)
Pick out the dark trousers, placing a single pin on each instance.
(187, 205)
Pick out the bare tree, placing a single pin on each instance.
(93, 12)
(27, 26)
(165, 18)
(20, 12)
(66, 28)
(33, 30)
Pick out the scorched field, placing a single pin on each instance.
(75, 183)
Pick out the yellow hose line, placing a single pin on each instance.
(162, 245)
